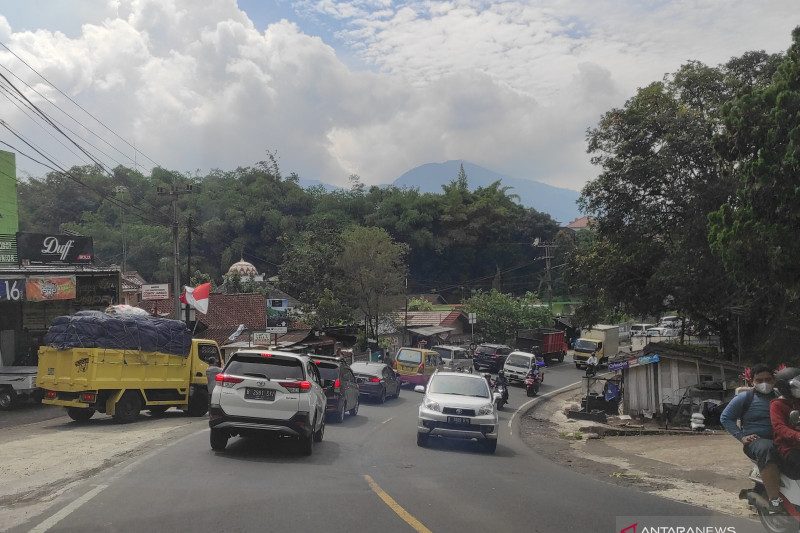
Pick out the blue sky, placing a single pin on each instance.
(366, 87)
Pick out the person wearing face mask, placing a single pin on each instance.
(787, 435)
(747, 418)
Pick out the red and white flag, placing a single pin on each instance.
(197, 297)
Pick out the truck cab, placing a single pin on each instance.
(584, 348)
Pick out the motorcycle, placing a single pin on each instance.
(501, 388)
(532, 382)
(790, 491)
(591, 371)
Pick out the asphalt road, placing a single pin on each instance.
(367, 475)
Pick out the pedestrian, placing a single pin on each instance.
(211, 375)
(747, 418)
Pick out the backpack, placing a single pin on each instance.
(749, 399)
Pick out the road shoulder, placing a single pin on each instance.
(704, 469)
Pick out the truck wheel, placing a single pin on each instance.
(7, 398)
(561, 358)
(128, 407)
(198, 402)
(80, 414)
(219, 439)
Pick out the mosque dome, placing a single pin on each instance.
(244, 269)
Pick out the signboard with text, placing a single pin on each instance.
(155, 292)
(12, 290)
(42, 289)
(260, 337)
(8, 250)
(48, 249)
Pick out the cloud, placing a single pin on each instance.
(509, 85)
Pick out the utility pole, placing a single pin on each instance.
(189, 230)
(548, 247)
(119, 190)
(175, 192)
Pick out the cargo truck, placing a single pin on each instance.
(544, 342)
(600, 340)
(124, 366)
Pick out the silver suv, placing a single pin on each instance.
(457, 406)
(268, 392)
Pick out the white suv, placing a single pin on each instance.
(458, 406)
(268, 392)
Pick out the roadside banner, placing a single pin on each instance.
(42, 289)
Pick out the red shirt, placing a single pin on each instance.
(787, 438)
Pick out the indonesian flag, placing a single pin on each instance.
(197, 297)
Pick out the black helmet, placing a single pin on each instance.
(783, 379)
(501, 374)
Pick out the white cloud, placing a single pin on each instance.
(508, 85)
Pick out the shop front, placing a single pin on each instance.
(43, 276)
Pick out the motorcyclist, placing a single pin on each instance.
(787, 434)
(746, 419)
(501, 380)
(591, 365)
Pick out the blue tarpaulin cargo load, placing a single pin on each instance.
(95, 329)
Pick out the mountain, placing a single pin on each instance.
(557, 202)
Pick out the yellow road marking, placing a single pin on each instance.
(394, 506)
(387, 420)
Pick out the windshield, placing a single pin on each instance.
(585, 345)
(519, 360)
(409, 356)
(328, 370)
(459, 385)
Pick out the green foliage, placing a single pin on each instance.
(329, 311)
(755, 231)
(499, 315)
(660, 179)
(419, 304)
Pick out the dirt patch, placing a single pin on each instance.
(706, 469)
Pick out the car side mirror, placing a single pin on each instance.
(794, 418)
(420, 388)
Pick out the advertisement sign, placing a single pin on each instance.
(277, 320)
(47, 249)
(613, 367)
(8, 250)
(42, 289)
(260, 337)
(12, 290)
(155, 292)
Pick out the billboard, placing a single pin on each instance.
(42, 289)
(49, 249)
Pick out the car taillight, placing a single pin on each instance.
(296, 386)
(50, 395)
(88, 397)
(228, 381)
(421, 369)
(375, 380)
(394, 364)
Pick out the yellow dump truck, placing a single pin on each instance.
(123, 381)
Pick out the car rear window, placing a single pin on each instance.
(274, 367)
(409, 356)
(367, 370)
(486, 350)
(443, 352)
(328, 370)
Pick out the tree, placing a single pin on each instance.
(374, 271)
(419, 304)
(499, 316)
(328, 311)
(308, 267)
(660, 179)
(755, 232)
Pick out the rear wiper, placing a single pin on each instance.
(258, 376)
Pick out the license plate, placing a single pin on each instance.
(259, 394)
(458, 420)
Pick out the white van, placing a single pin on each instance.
(519, 363)
(455, 358)
(639, 330)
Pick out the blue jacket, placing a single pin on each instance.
(755, 421)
